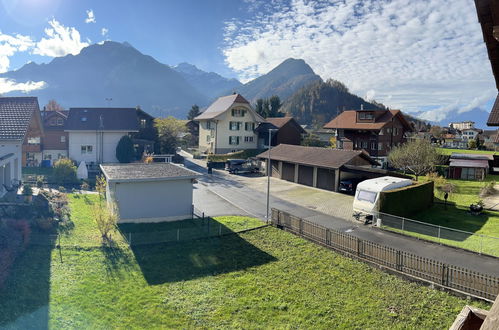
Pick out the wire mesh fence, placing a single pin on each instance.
(482, 244)
(421, 268)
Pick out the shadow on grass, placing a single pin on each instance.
(24, 298)
(117, 260)
(450, 216)
(193, 258)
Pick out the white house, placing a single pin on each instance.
(16, 115)
(94, 133)
(228, 125)
(153, 192)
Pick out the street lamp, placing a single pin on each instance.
(269, 169)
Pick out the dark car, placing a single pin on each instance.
(349, 186)
(235, 166)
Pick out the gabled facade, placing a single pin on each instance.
(17, 116)
(144, 139)
(94, 133)
(56, 143)
(228, 125)
(288, 131)
(33, 141)
(375, 131)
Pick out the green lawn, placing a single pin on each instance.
(457, 216)
(265, 278)
(445, 151)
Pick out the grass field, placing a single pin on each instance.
(445, 151)
(265, 278)
(456, 215)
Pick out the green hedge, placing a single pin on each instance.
(406, 201)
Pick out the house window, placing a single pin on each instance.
(366, 115)
(238, 112)
(248, 139)
(63, 139)
(208, 138)
(364, 144)
(208, 125)
(233, 140)
(60, 122)
(34, 140)
(234, 125)
(47, 157)
(388, 130)
(53, 122)
(380, 146)
(395, 131)
(248, 126)
(86, 150)
(373, 145)
(143, 123)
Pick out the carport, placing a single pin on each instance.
(318, 167)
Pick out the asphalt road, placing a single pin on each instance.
(222, 194)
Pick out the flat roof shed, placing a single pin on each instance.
(150, 192)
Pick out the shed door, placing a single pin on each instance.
(288, 171)
(306, 175)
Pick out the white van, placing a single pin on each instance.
(367, 194)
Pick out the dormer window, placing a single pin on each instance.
(83, 118)
(366, 115)
(59, 122)
(238, 112)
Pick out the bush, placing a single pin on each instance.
(39, 181)
(125, 153)
(27, 190)
(407, 200)
(64, 172)
(85, 186)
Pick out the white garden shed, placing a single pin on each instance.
(150, 192)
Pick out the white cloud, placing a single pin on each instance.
(9, 45)
(370, 94)
(104, 32)
(90, 17)
(414, 54)
(9, 85)
(60, 41)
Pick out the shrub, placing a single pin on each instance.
(125, 152)
(105, 218)
(27, 190)
(64, 172)
(85, 186)
(61, 189)
(39, 181)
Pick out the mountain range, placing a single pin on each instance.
(118, 75)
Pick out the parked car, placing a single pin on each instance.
(235, 166)
(349, 186)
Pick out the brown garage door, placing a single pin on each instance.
(288, 171)
(325, 179)
(306, 175)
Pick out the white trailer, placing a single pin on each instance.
(366, 200)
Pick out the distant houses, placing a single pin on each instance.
(56, 140)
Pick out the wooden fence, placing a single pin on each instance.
(435, 272)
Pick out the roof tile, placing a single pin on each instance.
(15, 116)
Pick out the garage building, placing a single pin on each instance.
(321, 167)
(153, 192)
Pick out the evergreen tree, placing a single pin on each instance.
(194, 112)
(125, 152)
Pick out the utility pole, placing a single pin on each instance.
(269, 170)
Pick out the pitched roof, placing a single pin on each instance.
(15, 116)
(281, 121)
(146, 172)
(315, 156)
(221, 105)
(102, 119)
(348, 120)
(456, 155)
(483, 163)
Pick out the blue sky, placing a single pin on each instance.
(425, 55)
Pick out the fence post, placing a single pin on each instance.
(301, 226)
(359, 247)
(481, 244)
(403, 224)
(444, 269)
(439, 234)
(178, 234)
(192, 212)
(203, 216)
(328, 237)
(398, 262)
(220, 229)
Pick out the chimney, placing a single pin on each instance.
(362, 106)
(101, 122)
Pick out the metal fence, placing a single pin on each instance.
(482, 244)
(420, 268)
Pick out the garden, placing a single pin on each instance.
(262, 278)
